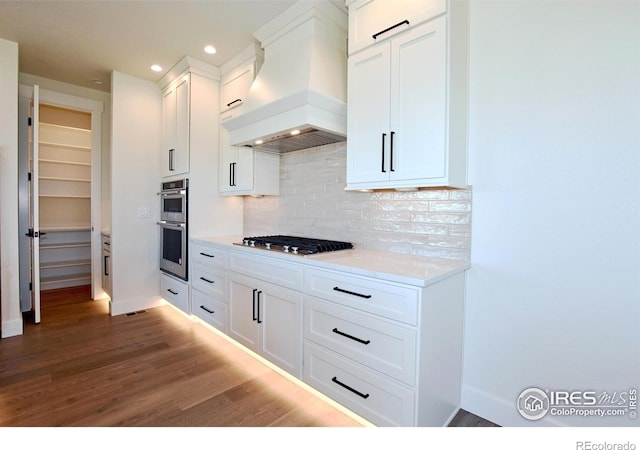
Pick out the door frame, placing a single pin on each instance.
(96, 109)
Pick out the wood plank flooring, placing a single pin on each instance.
(81, 367)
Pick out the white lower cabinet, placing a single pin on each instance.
(175, 292)
(209, 285)
(267, 319)
(364, 391)
(210, 310)
(391, 352)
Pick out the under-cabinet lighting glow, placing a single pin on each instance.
(210, 49)
(156, 68)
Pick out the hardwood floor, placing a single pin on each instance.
(156, 368)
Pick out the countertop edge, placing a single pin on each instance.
(351, 263)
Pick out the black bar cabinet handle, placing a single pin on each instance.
(171, 152)
(384, 135)
(375, 36)
(235, 101)
(259, 292)
(253, 314)
(391, 152)
(207, 280)
(367, 342)
(207, 309)
(336, 288)
(106, 272)
(207, 255)
(230, 174)
(172, 291)
(233, 174)
(349, 388)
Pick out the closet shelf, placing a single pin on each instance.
(64, 196)
(66, 146)
(82, 180)
(65, 263)
(64, 245)
(63, 228)
(66, 278)
(65, 162)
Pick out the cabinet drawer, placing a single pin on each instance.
(209, 256)
(209, 280)
(375, 297)
(374, 397)
(272, 270)
(175, 292)
(210, 310)
(372, 17)
(373, 342)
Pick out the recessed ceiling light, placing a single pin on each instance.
(156, 68)
(97, 82)
(294, 132)
(210, 49)
(259, 141)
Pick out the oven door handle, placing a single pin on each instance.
(170, 224)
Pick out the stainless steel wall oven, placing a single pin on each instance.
(174, 201)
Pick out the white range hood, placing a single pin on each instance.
(302, 85)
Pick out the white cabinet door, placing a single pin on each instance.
(281, 327)
(175, 128)
(371, 21)
(267, 319)
(369, 78)
(235, 87)
(236, 167)
(397, 111)
(243, 326)
(418, 103)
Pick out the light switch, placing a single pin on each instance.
(144, 212)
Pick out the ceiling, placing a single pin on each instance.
(78, 42)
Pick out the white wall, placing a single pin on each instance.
(10, 315)
(136, 107)
(554, 290)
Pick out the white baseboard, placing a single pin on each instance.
(12, 328)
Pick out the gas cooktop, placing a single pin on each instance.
(294, 244)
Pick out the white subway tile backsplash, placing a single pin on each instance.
(312, 202)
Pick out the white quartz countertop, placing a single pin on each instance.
(395, 267)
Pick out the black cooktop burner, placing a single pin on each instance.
(296, 244)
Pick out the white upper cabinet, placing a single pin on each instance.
(243, 171)
(175, 127)
(372, 21)
(407, 100)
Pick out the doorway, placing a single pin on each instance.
(67, 170)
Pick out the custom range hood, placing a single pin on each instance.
(298, 98)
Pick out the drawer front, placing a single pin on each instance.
(272, 270)
(209, 280)
(210, 310)
(175, 292)
(372, 17)
(371, 296)
(207, 255)
(373, 342)
(374, 397)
